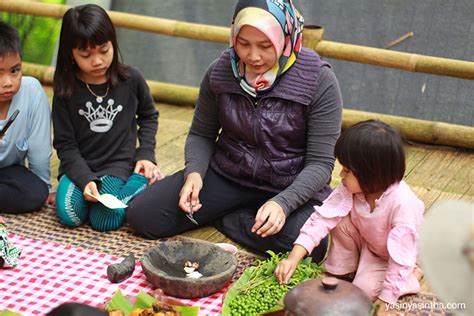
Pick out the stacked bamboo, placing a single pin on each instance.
(313, 39)
(417, 130)
(412, 129)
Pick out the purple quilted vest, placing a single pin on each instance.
(262, 143)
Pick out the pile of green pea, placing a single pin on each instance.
(262, 292)
(258, 299)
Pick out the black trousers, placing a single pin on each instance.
(21, 191)
(230, 207)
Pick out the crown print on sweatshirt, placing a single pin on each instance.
(101, 119)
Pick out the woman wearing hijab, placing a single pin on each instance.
(259, 154)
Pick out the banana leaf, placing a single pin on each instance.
(119, 302)
(233, 291)
(8, 313)
(261, 276)
(142, 301)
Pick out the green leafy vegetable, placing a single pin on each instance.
(257, 290)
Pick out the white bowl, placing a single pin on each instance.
(228, 247)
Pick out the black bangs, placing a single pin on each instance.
(89, 40)
(88, 33)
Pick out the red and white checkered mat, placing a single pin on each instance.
(49, 274)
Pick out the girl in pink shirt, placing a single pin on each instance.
(373, 217)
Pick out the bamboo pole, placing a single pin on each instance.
(312, 35)
(417, 130)
(393, 59)
(173, 93)
(355, 53)
(161, 91)
(412, 129)
(127, 20)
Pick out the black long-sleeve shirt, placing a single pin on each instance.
(95, 137)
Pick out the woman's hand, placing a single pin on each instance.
(189, 194)
(269, 220)
(90, 189)
(149, 170)
(51, 200)
(287, 267)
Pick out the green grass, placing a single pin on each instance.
(38, 35)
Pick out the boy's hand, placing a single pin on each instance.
(149, 170)
(90, 189)
(269, 220)
(51, 200)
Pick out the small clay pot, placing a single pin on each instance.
(327, 296)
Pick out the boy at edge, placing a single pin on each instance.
(22, 189)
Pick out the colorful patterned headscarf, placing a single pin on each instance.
(281, 22)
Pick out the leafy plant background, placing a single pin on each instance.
(38, 35)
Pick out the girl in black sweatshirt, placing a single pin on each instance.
(100, 108)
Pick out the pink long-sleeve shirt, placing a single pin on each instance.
(390, 230)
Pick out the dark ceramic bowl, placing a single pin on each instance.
(163, 266)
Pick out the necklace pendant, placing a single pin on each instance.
(98, 98)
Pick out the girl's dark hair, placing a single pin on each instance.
(85, 26)
(374, 152)
(9, 40)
